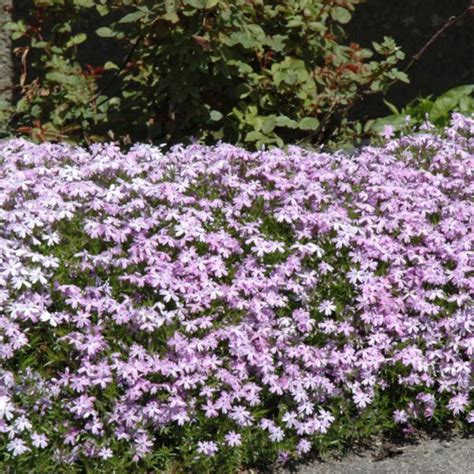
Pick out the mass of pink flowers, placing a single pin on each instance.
(230, 294)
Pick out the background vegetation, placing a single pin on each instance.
(247, 72)
(244, 72)
(446, 64)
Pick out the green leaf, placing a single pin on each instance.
(268, 125)
(283, 121)
(445, 103)
(340, 14)
(61, 78)
(243, 68)
(243, 39)
(102, 9)
(38, 44)
(391, 107)
(196, 3)
(256, 122)
(84, 3)
(396, 121)
(105, 32)
(441, 108)
(243, 90)
(278, 78)
(170, 6)
(308, 123)
(401, 76)
(131, 17)
(377, 47)
(110, 65)
(253, 136)
(277, 42)
(79, 38)
(295, 22)
(376, 86)
(17, 34)
(466, 105)
(215, 115)
(294, 63)
(171, 17)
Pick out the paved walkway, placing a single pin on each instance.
(428, 456)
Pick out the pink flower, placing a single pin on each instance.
(388, 131)
(303, 447)
(458, 403)
(400, 416)
(212, 281)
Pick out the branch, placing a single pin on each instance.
(452, 21)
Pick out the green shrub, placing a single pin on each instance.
(249, 72)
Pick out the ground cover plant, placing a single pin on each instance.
(208, 307)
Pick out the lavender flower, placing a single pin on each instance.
(39, 440)
(209, 448)
(233, 439)
(17, 447)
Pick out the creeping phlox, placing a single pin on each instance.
(221, 296)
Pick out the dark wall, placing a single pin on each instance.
(449, 62)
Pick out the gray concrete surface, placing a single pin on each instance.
(455, 456)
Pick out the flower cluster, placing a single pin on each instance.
(198, 300)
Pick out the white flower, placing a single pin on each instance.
(327, 307)
(22, 423)
(17, 447)
(51, 239)
(19, 282)
(6, 408)
(36, 275)
(47, 317)
(39, 440)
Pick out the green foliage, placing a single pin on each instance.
(248, 72)
(437, 111)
